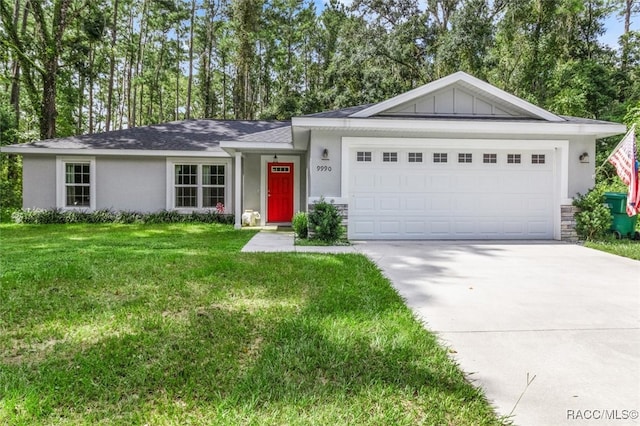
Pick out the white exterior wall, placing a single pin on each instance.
(38, 182)
(581, 175)
(251, 182)
(131, 183)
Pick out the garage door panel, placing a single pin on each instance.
(415, 227)
(439, 203)
(392, 203)
(364, 204)
(452, 200)
(437, 183)
(440, 228)
(415, 203)
(389, 227)
(465, 227)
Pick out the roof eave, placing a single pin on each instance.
(599, 130)
(28, 149)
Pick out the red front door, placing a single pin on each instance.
(279, 192)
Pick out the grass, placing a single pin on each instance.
(623, 247)
(170, 324)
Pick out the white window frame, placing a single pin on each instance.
(415, 157)
(61, 182)
(199, 162)
(390, 157)
(440, 157)
(489, 158)
(514, 158)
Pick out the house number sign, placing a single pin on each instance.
(323, 168)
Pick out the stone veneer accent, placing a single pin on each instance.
(568, 223)
(343, 209)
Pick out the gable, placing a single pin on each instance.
(455, 100)
(458, 95)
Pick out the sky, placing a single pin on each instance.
(614, 25)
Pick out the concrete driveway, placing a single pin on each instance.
(561, 317)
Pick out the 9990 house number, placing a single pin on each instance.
(323, 168)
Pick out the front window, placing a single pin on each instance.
(212, 185)
(199, 186)
(77, 184)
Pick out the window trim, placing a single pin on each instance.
(61, 182)
(199, 162)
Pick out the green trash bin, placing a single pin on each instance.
(622, 225)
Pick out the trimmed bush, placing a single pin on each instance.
(325, 222)
(594, 218)
(42, 216)
(300, 224)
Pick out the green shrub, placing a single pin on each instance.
(325, 222)
(42, 216)
(300, 224)
(594, 218)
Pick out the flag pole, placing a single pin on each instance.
(633, 128)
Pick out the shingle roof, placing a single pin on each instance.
(339, 113)
(186, 135)
(277, 135)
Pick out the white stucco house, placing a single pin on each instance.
(454, 159)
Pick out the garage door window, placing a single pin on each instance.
(513, 159)
(465, 158)
(439, 157)
(389, 157)
(489, 158)
(363, 156)
(415, 157)
(537, 159)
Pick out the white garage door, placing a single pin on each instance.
(450, 194)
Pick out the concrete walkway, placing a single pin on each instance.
(278, 241)
(550, 331)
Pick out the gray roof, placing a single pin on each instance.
(339, 113)
(186, 135)
(277, 135)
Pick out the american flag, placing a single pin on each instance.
(624, 160)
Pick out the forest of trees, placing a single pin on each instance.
(82, 66)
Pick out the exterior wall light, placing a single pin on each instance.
(584, 157)
(325, 154)
(275, 158)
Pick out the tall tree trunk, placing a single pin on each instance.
(112, 65)
(190, 81)
(626, 49)
(91, 106)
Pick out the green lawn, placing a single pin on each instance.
(170, 324)
(624, 247)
